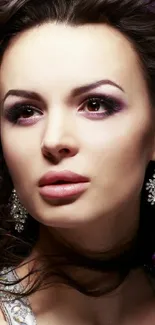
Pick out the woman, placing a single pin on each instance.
(77, 162)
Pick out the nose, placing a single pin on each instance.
(59, 140)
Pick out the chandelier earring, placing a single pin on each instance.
(17, 211)
(150, 187)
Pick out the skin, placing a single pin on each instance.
(113, 151)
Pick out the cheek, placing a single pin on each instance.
(118, 150)
(122, 136)
(19, 152)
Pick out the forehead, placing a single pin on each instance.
(55, 53)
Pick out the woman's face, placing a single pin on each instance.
(76, 100)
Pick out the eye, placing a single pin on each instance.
(99, 106)
(22, 113)
(95, 104)
(27, 112)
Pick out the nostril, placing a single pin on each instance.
(64, 150)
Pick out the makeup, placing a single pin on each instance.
(63, 184)
(94, 106)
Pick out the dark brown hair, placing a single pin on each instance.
(136, 20)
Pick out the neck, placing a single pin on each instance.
(62, 304)
(132, 300)
(92, 273)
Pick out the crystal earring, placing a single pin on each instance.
(150, 187)
(17, 211)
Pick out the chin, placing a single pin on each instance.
(63, 217)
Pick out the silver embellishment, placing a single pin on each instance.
(17, 211)
(17, 310)
(150, 187)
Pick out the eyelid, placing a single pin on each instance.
(106, 95)
(20, 102)
(18, 108)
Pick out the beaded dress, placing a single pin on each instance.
(17, 311)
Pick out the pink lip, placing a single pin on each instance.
(70, 184)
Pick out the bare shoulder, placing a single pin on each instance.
(2, 320)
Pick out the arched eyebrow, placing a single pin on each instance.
(75, 92)
(83, 89)
(22, 93)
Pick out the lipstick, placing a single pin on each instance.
(64, 184)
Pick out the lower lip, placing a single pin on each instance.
(63, 191)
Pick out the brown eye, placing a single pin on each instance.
(22, 112)
(100, 106)
(27, 112)
(94, 104)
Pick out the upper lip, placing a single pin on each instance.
(65, 176)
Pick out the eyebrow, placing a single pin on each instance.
(22, 93)
(75, 92)
(78, 91)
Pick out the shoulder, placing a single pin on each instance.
(2, 320)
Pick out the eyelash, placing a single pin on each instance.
(111, 105)
(14, 113)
